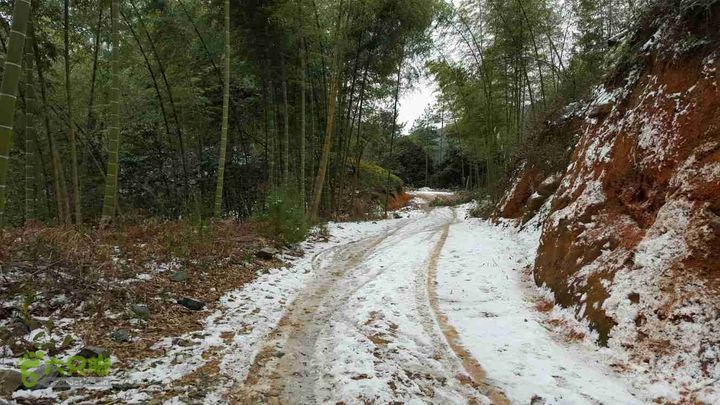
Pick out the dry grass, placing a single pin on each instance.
(398, 201)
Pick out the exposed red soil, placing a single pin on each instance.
(637, 181)
(639, 204)
(513, 206)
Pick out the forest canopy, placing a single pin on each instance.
(191, 107)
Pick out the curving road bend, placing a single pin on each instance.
(365, 329)
(417, 313)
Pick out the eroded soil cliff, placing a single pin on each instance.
(632, 237)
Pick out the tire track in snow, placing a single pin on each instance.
(283, 371)
(470, 365)
(293, 363)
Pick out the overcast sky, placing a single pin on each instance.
(414, 102)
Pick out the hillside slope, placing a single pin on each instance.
(631, 241)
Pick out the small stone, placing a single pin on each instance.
(10, 381)
(191, 304)
(537, 400)
(59, 301)
(279, 354)
(121, 335)
(535, 201)
(91, 352)
(48, 374)
(267, 253)
(141, 311)
(5, 334)
(185, 343)
(634, 297)
(125, 386)
(18, 328)
(179, 276)
(397, 216)
(600, 110)
(61, 385)
(549, 185)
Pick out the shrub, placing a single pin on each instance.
(284, 215)
(484, 208)
(455, 199)
(374, 178)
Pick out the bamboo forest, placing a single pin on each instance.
(359, 201)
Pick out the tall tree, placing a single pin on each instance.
(59, 184)
(303, 67)
(111, 180)
(71, 121)
(286, 126)
(171, 99)
(8, 91)
(96, 51)
(393, 128)
(30, 132)
(332, 96)
(225, 116)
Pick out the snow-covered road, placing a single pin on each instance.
(431, 309)
(481, 289)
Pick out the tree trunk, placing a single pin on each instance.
(330, 123)
(178, 128)
(271, 132)
(111, 181)
(302, 117)
(158, 144)
(226, 107)
(91, 102)
(71, 127)
(59, 184)
(286, 127)
(359, 141)
(394, 128)
(30, 132)
(202, 41)
(427, 167)
(8, 91)
(327, 143)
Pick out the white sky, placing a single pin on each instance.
(414, 101)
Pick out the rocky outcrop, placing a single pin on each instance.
(531, 189)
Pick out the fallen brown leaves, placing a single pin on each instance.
(97, 272)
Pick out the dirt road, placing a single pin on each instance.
(365, 329)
